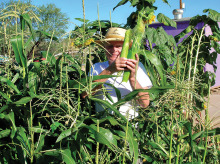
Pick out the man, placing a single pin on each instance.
(113, 43)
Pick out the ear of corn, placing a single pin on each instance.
(125, 48)
(138, 33)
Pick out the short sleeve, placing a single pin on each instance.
(97, 68)
(142, 76)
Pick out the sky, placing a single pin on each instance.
(74, 9)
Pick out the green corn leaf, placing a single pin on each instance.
(213, 132)
(2, 109)
(97, 77)
(70, 131)
(33, 79)
(37, 68)
(189, 129)
(57, 69)
(17, 47)
(107, 119)
(151, 73)
(64, 134)
(23, 100)
(100, 137)
(15, 78)
(82, 20)
(196, 135)
(111, 120)
(108, 96)
(38, 130)
(47, 35)
(133, 145)
(111, 107)
(10, 84)
(67, 157)
(159, 147)
(106, 133)
(117, 91)
(25, 19)
(134, 93)
(156, 62)
(183, 136)
(5, 96)
(83, 82)
(10, 117)
(147, 158)
(120, 133)
(22, 139)
(68, 69)
(28, 42)
(122, 2)
(165, 20)
(5, 133)
(40, 143)
(53, 153)
(54, 126)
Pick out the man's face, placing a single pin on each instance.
(114, 50)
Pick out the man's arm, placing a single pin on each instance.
(118, 65)
(96, 88)
(144, 98)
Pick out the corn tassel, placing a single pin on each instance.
(138, 33)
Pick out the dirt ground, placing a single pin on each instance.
(214, 107)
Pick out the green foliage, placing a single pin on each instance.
(52, 20)
(165, 20)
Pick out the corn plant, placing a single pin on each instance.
(44, 120)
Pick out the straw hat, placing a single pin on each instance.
(113, 34)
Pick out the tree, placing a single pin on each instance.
(45, 19)
(52, 20)
(10, 18)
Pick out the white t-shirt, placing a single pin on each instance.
(124, 87)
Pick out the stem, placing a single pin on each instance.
(67, 91)
(97, 146)
(49, 45)
(126, 134)
(177, 153)
(197, 54)
(171, 141)
(90, 83)
(110, 18)
(189, 75)
(187, 53)
(177, 70)
(61, 70)
(32, 134)
(80, 74)
(206, 126)
(100, 28)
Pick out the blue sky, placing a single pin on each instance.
(74, 9)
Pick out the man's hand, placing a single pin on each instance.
(132, 65)
(120, 64)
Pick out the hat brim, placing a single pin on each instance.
(107, 41)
